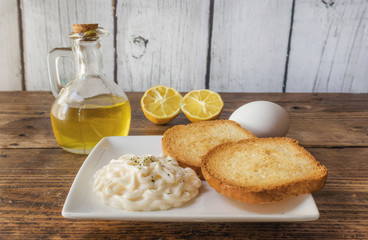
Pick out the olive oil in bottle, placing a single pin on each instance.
(79, 128)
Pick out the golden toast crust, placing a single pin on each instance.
(263, 174)
(189, 143)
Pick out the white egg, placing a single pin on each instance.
(262, 118)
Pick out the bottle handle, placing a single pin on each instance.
(52, 61)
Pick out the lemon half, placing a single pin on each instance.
(201, 105)
(161, 104)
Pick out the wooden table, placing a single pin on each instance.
(35, 174)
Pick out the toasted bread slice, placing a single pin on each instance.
(189, 143)
(262, 170)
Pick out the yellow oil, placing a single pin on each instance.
(78, 128)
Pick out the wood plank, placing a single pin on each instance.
(35, 181)
(25, 120)
(249, 50)
(329, 47)
(329, 120)
(10, 57)
(32, 194)
(162, 42)
(47, 24)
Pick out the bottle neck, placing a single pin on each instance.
(88, 58)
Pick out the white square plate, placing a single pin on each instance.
(208, 206)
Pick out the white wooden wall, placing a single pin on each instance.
(249, 45)
(329, 47)
(224, 45)
(10, 53)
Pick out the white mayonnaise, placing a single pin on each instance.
(145, 183)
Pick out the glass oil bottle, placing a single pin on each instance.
(88, 108)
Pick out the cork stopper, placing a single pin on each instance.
(79, 28)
